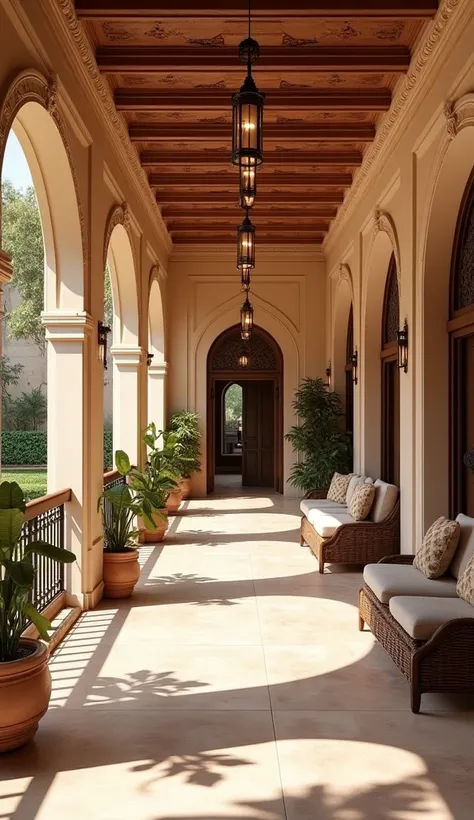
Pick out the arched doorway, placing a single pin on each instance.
(461, 332)
(157, 367)
(348, 373)
(390, 466)
(259, 453)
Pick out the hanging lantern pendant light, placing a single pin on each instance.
(245, 278)
(246, 244)
(247, 112)
(248, 185)
(246, 319)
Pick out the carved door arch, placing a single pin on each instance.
(390, 466)
(265, 366)
(461, 342)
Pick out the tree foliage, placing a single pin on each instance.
(26, 412)
(233, 406)
(22, 237)
(324, 446)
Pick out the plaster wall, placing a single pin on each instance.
(288, 295)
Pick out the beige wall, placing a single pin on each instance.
(288, 295)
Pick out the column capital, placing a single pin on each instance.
(66, 325)
(6, 268)
(158, 369)
(127, 355)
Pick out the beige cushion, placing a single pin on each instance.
(465, 548)
(338, 487)
(421, 617)
(465, 585)
(355, 480)
(326, 523)
(438, 547)
(386, 496)
(320, 504)
(361, 501)
(387, 580)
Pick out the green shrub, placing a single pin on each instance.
(24, 447)
(108, 451)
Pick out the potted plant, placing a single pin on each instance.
(185, 427)
(155, 483)
(324, 446)
(25, 680)
(120, 506)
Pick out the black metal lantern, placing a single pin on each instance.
(247, 123)
(243, 358)
(246, 319)
(248, 185)
(149, 359)
(402, 339)
(102, 333)
(245, 278)
(354, 361)
(246, 244)
(328, 375)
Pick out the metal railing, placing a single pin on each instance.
(44, 521)
(111, 479)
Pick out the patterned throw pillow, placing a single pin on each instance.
(361, 501)
(465, 585)
(338, 489)
(438, 547)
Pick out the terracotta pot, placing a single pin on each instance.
(153, 536)
(185, 486)
(121, 573)
(173, 501)
(25, 690)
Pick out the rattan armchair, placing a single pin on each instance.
(444, 663)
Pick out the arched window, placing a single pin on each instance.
(232, 410)
(461, 331)
(348, 370)
(390, 378)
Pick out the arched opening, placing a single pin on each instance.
(390, 378)
(342, 317)
(349, 381)
(156, 357)
(461, 332)
(125, 350)
(256, 460)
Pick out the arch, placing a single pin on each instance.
(284, 334)
(157, 368)
(31, 109)
(263, 390)
(384, 223)
(450, 178)
(390, 409)
(119, 255)
(378, 264)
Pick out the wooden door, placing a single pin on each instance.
(464, 425)
(468, 382)
(258, 453)
(391, 421)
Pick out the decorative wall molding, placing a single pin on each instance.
(156, 272)
(64, 12)
(459, 114)
(383, 223)
(411, 88)
(119, 215)
(31, 86)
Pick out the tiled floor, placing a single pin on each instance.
(234, 684)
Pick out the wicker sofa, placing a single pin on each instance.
(427, 630)
(334, 536)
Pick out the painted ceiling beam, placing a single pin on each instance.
(231, 180)
(174, 213)
(393, 59)
(267, 198)
(212, 131)
(152, 159)
(218, 99)
(174, 227)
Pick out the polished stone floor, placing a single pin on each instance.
(234, 684)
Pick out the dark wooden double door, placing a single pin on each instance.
(390, 420)
(462, 484)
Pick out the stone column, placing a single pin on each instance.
(157, 394)
(127, 361)
(73, 421)
(6, 272)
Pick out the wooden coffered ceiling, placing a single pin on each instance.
(328, 69)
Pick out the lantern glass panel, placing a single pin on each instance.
(246, 245)
(247, 124)
(245, 278)
(246, 316)
(248, 185)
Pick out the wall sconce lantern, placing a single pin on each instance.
(354, 361)
(102, 333)
(246, 319)
(149, 358)
(245, 278)
(246, 244)
(248, 185)
(402, 339)
(243, 358)
(328, 375)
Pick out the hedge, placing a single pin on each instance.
(22, 448)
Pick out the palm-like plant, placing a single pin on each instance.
(325, 447)
(17, 572)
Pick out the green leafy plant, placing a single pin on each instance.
(319, 438)
(17, 572)
(184, 425)
(120, 505)
(159, 476)
(24, 447)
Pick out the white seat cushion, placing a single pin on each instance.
(386, 496)
(465, 549)
(422, 616)
(320, 504)
(389, 580)
(326, 523)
